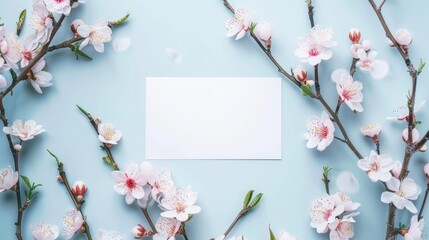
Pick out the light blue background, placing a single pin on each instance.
(112, 86)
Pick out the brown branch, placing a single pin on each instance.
(236, 219)
(65, 44)
(310, 12)
(424, 202)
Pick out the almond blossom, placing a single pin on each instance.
(8, 179)
(10, 47)
(95, 35)
(346, 201)
(401, 193)
(108, 134)
(377, 166)
(403, 37)
(30, 48)
(415, 135)
(3, 66)
(323, 36)
(105, 235)
(320, 132)
(342, 229)
(72, 223)
(130, 183)
(350, 91)
(181, 205)
(38, 78)
(239, 24)
(371, 130)
(24, 130)
(264, 31)
(59, 6)
(166, 228)
(368, 63)
(402, 112)
(41, 20)
(415, 231)
(324, 212)
(43, 231)
(311, 52)
(161, 182)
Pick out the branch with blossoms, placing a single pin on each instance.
(314, 48)
(23, 58)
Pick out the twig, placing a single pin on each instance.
(185, 236)
(340, 139)
(65, 44)
(424, 202)
(325, 178)
(236, 219)
(310, 12)
(149, 220)
(78, 205)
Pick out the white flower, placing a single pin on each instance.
(72, 222)
(367, 63)
(371, 130)
(58, 6)
(43, 231)
(346, 201)
(323, 36)
(30, 49)
(24, 130)
(377, 166)
(349, 91)
(130, 183)
(355, 48)
(107, 133)
(95, 35)
(311, 51)
(367, 45)
(166, 229)
(8, 179)
(286, 236)
(38, 78)
(324, 212)
(403, 37)
(402, 112)
(415, 135)
(239, 24)
(264, 31)
(161, 181)
(342, 229)
(41, 21)
(181, 205)
(402, 193)
(415, 230)
(112, 235)
(320, 132)
(10, 48)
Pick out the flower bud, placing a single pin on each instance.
(75, 24)
(17, 147)
(366, 44)
(139, 232)
(354, 35)
(97, 120)
(403, 37)
(60, 179)
(426, 170)
(300, 74)
(79, 189)
(371, 130)
(264, 31)
(355, 48)
(396, 171)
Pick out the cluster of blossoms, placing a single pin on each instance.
(366, 58)
(334, 213)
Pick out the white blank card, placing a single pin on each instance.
(213, 118)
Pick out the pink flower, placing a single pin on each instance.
(400, 193)
(402, 112)
(324, 212)
(342, 229)
(38, 77)
(181, 205)
(8, 179)
(95, 35)
(367, 63)
(415, 231)
(108, 134)
(43, 231)
(403, 37)
(311, 51)
(30, 49)
(130, 183)
(354, 35)
(10, 48)
(41, 21)
(72, 223)
(323, 36)
(79, 189)
(320, 132)
(58, 6)
(415, 135)
(377, 167)
(264, 31)
(371, 130)
(166, 228)
(24, 130)
(349, 91)
(239, 24)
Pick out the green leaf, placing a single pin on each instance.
(421, 66)
(121, 20)
(82, 110)
(247, 198)
(306, 90)
(79, 53)
(272, 236)
(26, 180)
(107, 160)
(13, 74)
(20, 22)
(252, 27)
(56, 158)
(256, 200)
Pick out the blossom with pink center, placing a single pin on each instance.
(349, 91)
(72, 223)
(95, 35)
(239, 24)
(402, 112)
(24, 130)
(346, 201)
(310, 51)
(320, 132)
(400, 193)
(415, 135)
(371, 130)
(43, 231)
(8, 179)
(59, 6)
(323, 36)
(415, 231)
(342, 229)
(10, 47)
(181, 205)
(130, 183)
(377, 166)
(30, 48)
(38, 77)
(41, 21)
(166, 228)
(355, 48)
(324, 212)
(368, 63)
(108, 134)
(403, 37)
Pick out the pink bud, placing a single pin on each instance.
(97, 120)
(403, 37)
(264, 31)
(396, 171)
(139, 232)
(75, 24)
(300, 74)
(17, 147)
(426, 170)
(366, 44)
(354, 35)
(60, 179)
(79, 189)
